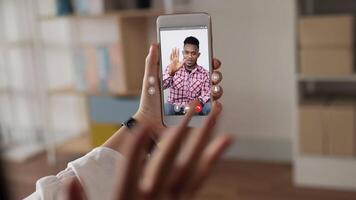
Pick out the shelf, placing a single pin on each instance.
(20, 43)
(327, 78)
(63, 142)
(74, 91)
(120, 14)
(325, 171)
(78, 145)
(133, 33)
(65, 91)
(4, 91)
(76, 45)
(23, 92)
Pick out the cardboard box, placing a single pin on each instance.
(328, 61)
(311, 133)
(333, 31)
(328, 129)
(340, 122)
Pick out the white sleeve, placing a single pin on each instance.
(96, 171)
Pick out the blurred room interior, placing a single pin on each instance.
(71, 72)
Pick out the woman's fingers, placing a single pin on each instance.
(216, 77)
(149, 109)
(127, 186)
(152, 61)
(216, 91)
(216, 63)
(191, 152)
(150, 79)
(210, 157)
(161, 162)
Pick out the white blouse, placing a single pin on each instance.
(96, 171)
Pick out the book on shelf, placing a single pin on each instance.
(116, 79)
(86, 7)
(79, 69)
(91, 71)
(103, 67)
(14, 28)
(47, 7)
(103, 71)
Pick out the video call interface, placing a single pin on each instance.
(185, 69)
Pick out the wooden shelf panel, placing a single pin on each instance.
(327, 78)
(21, 92)
(74, 91)
(20, 43)
(325, 171)
(120, 14)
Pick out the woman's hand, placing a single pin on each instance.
(176, 169)
(150, 105)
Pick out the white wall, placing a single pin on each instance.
(255, 39)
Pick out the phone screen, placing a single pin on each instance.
(185, 62)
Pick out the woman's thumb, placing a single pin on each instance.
(151, 68)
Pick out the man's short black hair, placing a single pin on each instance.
(191, 40)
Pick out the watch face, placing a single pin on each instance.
(131, 123)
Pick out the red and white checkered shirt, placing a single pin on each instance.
(186, 87)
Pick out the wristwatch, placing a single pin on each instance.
(130, 124)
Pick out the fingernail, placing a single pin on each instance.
(151, 48)
(151, 80)
(216, 88)
(215, 77)
(151, 91)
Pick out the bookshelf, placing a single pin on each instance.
(130, 33)
(324, 166)
(46, 94)
(111, 45)
(20, 113)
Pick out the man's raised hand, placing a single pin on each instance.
(175, 64)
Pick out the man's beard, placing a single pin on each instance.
(190, 68)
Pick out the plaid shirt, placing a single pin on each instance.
(186, 87)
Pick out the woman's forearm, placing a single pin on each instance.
(117, 140)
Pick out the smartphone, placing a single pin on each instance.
(185, 42)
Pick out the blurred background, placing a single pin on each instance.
(71, 72)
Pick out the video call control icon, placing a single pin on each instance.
(198, 108)
(177, 108)
(185, 109)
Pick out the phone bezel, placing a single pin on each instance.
(183, 20)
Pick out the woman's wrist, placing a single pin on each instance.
(145, 118)
(117, 140)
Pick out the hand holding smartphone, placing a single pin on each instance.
(185, 66)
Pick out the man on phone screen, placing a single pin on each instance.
(186, 80)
